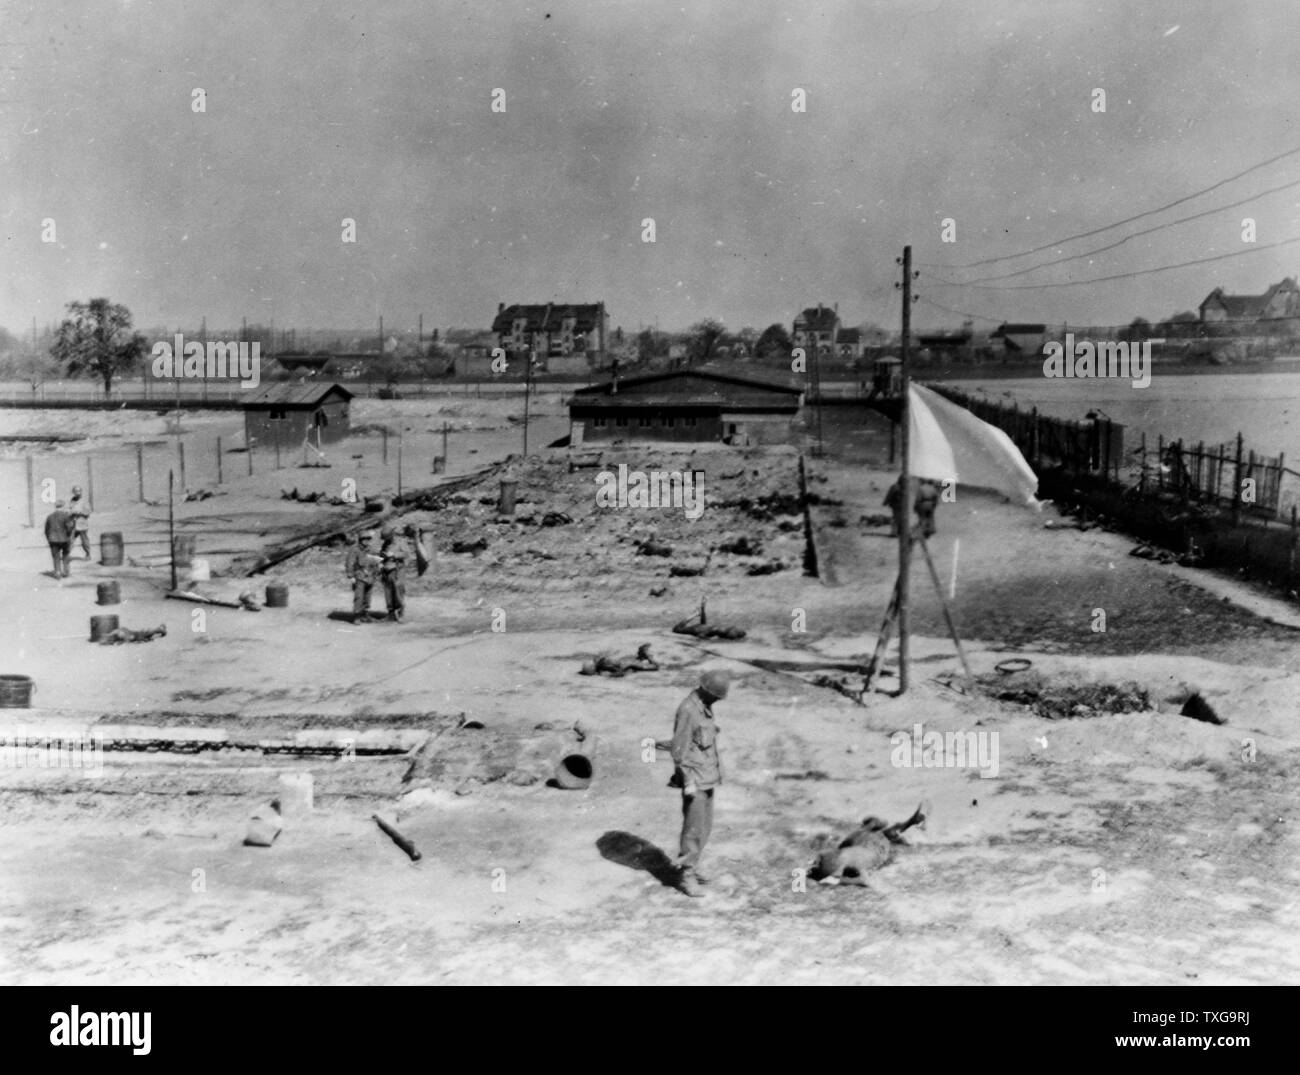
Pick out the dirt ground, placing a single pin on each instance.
(1141, 847)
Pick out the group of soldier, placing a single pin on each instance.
(377, 557)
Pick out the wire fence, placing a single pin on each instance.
(1228, 476)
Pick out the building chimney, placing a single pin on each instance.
(501, 307)
(613, 387)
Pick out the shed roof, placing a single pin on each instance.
(294, 395)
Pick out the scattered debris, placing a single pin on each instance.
(477, 546)
(264, 826)
(1055, 701)
(201, 599)
(741, 546)
(651, 547)
(771, 567)
(412, 852)
(1198, 708)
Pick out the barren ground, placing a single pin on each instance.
(1139, 847)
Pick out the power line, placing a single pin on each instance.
(1126, 220)
(1137, 234)
(1121, 275)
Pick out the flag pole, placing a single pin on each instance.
(904, 480)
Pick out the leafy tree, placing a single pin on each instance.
(651, 344)
(703, 339)
(97, 338)
(774, 341)
(1138, 329)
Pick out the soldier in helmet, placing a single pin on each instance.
(697, 771)
(362, 567)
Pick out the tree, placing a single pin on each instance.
(97, 338)
(773, 342)
(1138, 329)
(703, 338)
(650, 344)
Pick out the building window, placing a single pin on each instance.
(599, 423)
(277, 416)
(621, 420)
(644, 421)
(689, 423)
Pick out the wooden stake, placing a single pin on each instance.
(171, 521)
(904, 480)
(947, 614)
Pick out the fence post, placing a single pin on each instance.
(1236, 486)
(180, 449)
(1160, 461)
(385, 430)
(1185, 478)
(219, 476)
(90, 482)
(1218, 478)
(248, 445)
(31, 493)
(139, 469)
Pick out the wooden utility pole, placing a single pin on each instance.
(905, 479)
(171, 521)
(528, 386)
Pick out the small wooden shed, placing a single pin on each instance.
(288, 414)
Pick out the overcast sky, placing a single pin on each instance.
(616, 111)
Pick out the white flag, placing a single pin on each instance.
(948, 443)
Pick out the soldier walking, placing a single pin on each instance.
(58, 532)
(697, 771)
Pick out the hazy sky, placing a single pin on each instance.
(616, 111)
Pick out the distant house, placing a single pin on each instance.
(552, 331)
(685, 405)
(849, 343)
(303, 363)
(940, 341)
(287, 414)
(1280, 300)
(817, 324)
(1020, 339)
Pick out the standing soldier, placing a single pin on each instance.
(394, 563)
(58, 532)
(927, 499)
(362, 567)
(80, 512)
(697, 771)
